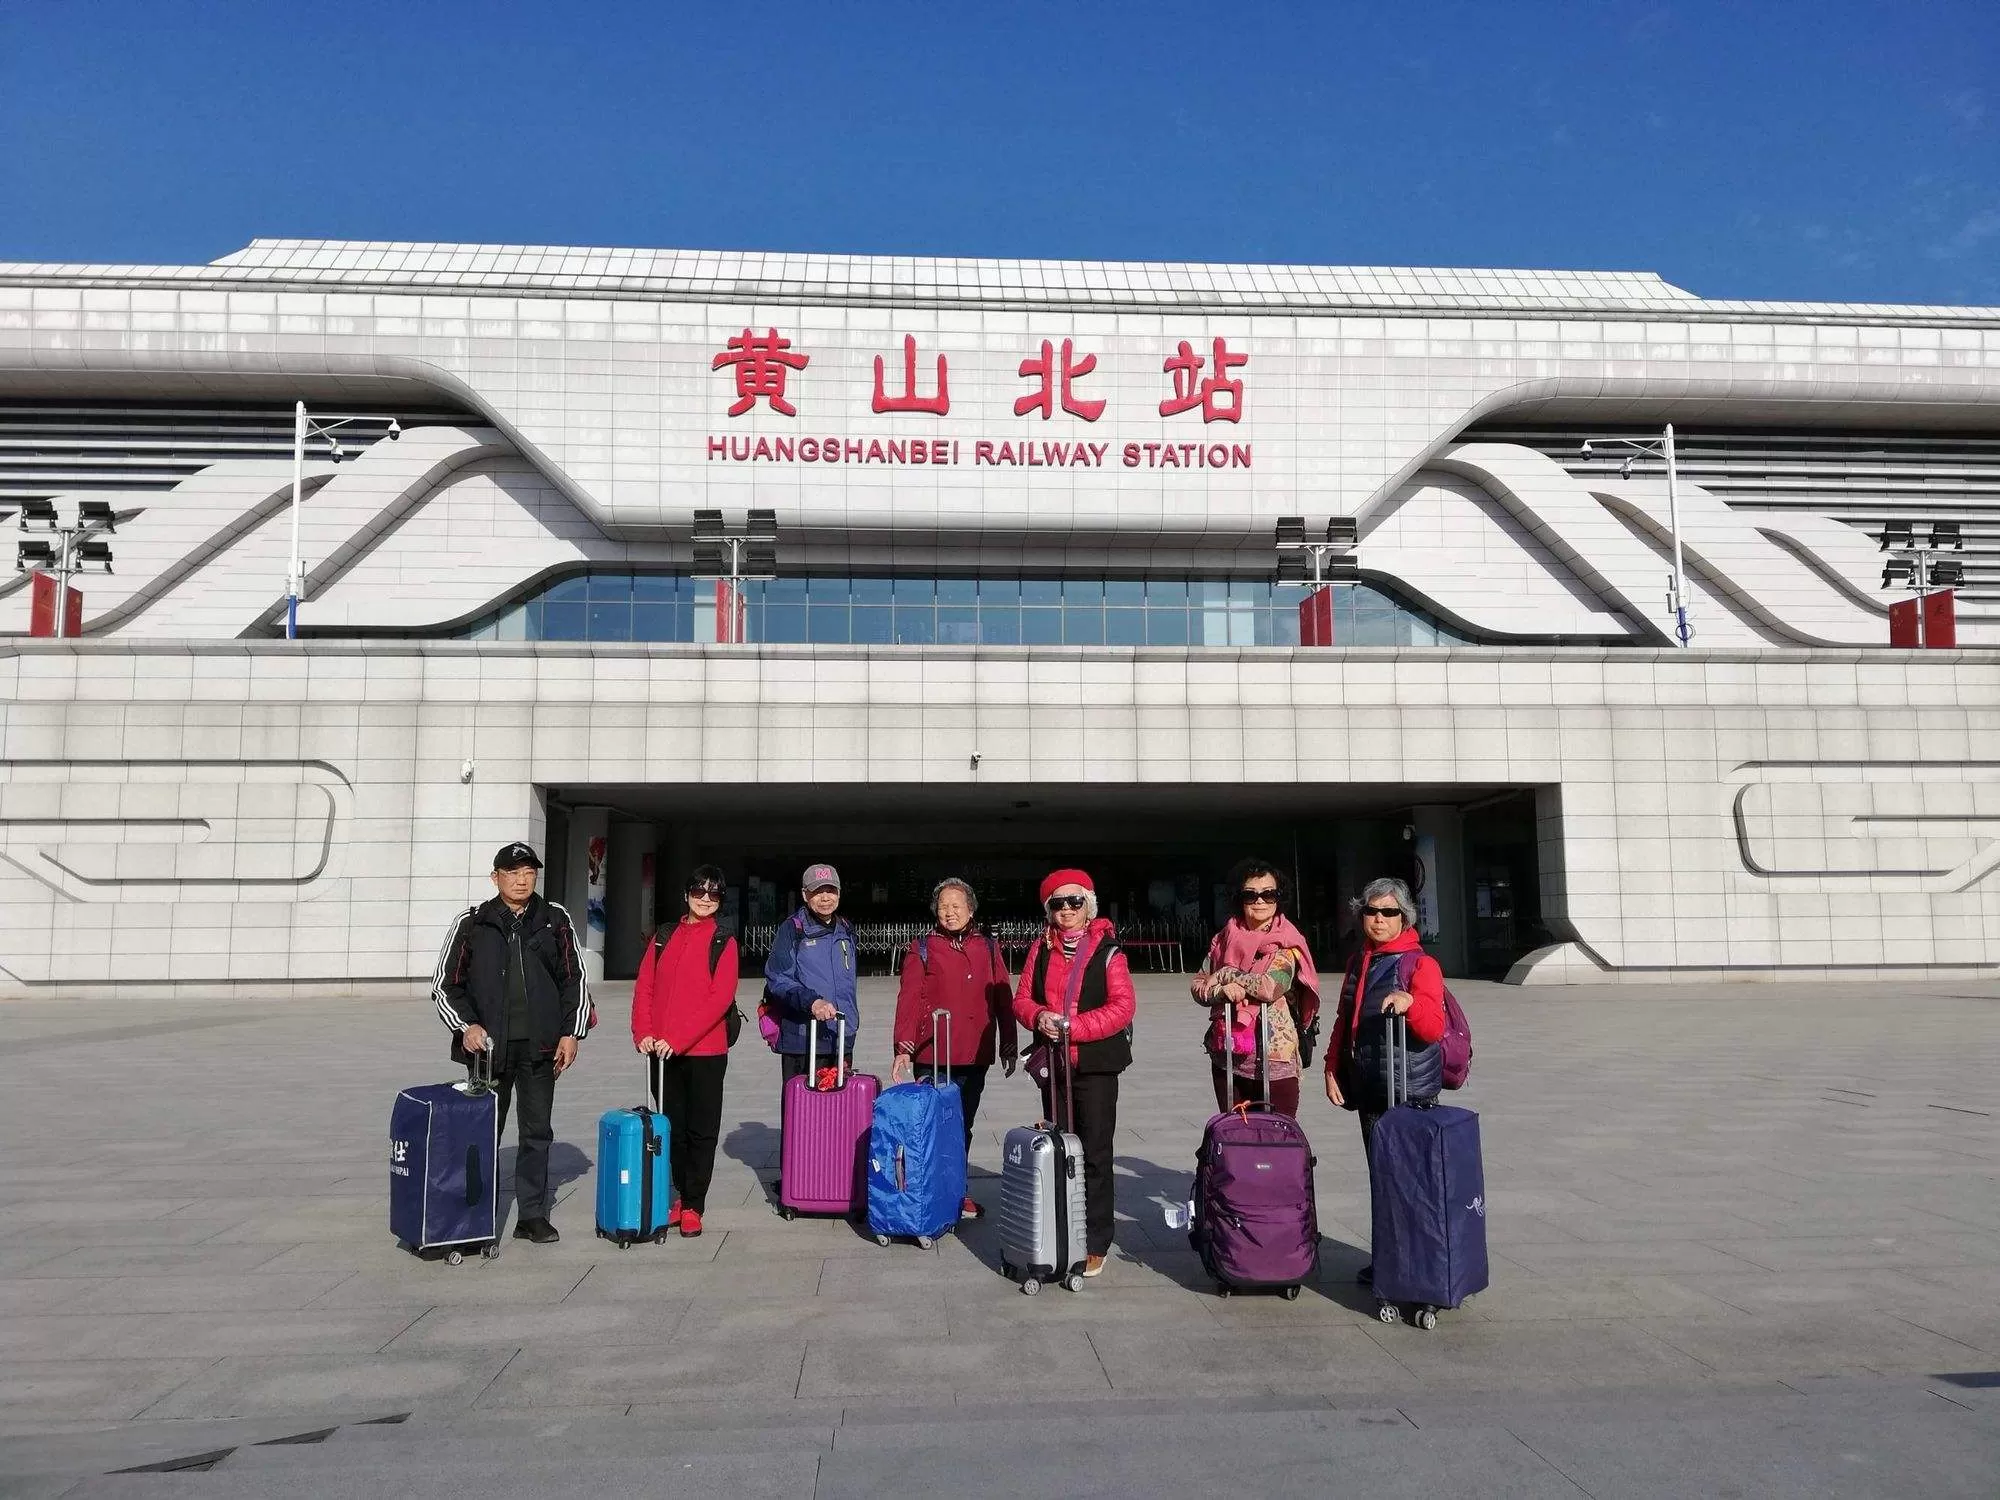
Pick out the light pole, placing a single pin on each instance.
(732, 560)
(1914, 564)
(304, 428)
(1318, 566)
(73, 547)
(1677, 584)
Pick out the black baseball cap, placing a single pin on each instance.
(513, 856)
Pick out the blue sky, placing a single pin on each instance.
(1832, 151)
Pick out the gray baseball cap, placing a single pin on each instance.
(818, 877)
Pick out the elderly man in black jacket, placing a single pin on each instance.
(510, 979)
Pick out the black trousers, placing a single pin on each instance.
(532, 1078)
(971, 1081)
(691, 1099)
(1096, 1125)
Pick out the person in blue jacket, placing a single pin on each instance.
(810, 975)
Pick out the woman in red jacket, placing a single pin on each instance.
(963, 973)
(680, 1006)
(1075, 971)
(1391, 975)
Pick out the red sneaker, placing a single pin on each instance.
(970, 1210)
(690, 1224)
(674, 1215)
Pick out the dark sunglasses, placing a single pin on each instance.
(707, 890)
(1381, 911)
(1068, 903)
(1249, 897)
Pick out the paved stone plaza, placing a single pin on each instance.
(1746, 1242)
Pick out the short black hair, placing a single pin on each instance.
(1250, 869)
(705, 875)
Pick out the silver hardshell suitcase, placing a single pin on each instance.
(1041, 1198)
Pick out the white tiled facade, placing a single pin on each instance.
(184, 801)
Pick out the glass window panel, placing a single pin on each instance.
(1041, 627)
(784, 590)
(872, 626)
(999, 591)
(957, 590)
(1124, 627)
(871, 590)
(610, 622)
(487, 632)
(569, 590)
(1041, 591)
(1124, 591)
(1083, 591)
(1166, 627)
(1208, 591)
(1083, 625)
(999, 625)
(655, 588)
(1214, 627)
(1170, 591)
(657, 622)
(562, 621)
(1374, 622)
(531, 615)
(829, 590)
(512, 626)
(915, 625)
(916, 591)
(1285, 626)
(1243, 627)
(1416, 630)
(1249, 591)
(826, 624)
(610, 588)
(957, 627)
(783, 623)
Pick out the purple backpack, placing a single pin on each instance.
(1455, 1050)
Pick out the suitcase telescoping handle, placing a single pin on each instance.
(656, 1083)
(1396, 1061)
(479, 1067)
(1263, 1061)
(812, 1056)
(1068, 1077)
(939, 1018)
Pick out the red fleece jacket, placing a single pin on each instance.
(675, 998)
(1426, 1019)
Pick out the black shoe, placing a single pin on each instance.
(1365, 1276)
(541, 1231)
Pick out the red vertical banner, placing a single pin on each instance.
(1316, 618)
(73, 616)
(42, 603)
(1903, 623)
(1941, 620)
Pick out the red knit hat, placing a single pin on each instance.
(1059, 878)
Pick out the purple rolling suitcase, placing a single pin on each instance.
(823, 1161)
(1255, 1219)
(1427, 1199)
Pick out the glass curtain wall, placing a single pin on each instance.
(619, 606)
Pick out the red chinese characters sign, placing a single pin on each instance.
(1061, 375)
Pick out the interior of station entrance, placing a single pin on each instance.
(1158, 855)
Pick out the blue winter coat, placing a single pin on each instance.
(811, 960)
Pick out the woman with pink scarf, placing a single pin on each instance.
(1259, 961)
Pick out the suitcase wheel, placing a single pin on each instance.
(1292, 1293)
(455, 1258)
(1222, 1289)
(1074, 1283)
(881, 1239)
(1030, 1285)
(1388, 1312)
(787, 1213)
(924, 1242)
(1426, 1318)
(490, 1252)
(660, 1237)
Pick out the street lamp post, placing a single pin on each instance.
(74, 547)
(732, 561)
(1914, 564)
(304, 428)
(1677, 582)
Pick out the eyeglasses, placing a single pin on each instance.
(705, 891)
(1381, 911)
(1068, 903)
(1250, 896)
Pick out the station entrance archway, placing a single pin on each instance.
(1159, 855)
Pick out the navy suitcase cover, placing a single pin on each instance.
(916, 1160)
(443, 1140)
(1427, 1193)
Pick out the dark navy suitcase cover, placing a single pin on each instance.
(634, 1170)
(443, 1142)
(1427, 1200)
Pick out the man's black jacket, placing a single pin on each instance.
(471, 980)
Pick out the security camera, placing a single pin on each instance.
(1586, 450)
(1625, 469)
(336, 453)
(465, 771)
(395, 429)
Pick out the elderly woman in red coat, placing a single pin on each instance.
(1075, 976)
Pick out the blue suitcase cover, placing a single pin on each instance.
(443, 1138)
(1428, 1196)
(916, 1160)
(634, 1175)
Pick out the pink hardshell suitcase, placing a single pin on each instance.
(823, 1162)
